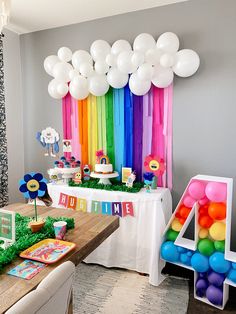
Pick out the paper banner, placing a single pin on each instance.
(128, 209)
(63, 200)
(81, 205)
(96, 207)
(72, 200)
(106, 208)
(121, 209)
(116, 209)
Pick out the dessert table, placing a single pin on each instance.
(136, 244)
(89, 232)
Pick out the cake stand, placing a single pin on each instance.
(104, 177)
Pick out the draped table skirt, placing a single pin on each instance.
(136, 244)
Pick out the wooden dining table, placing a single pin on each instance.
(89, 232)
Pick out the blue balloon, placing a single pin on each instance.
(185, 259)
(181, 249)
(218, 263)
(190, 253)
(169, 252)
(200, 262)
(234, 265)
(232, 275)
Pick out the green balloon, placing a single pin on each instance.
(171, 235)
(220, 246)
(206, 247)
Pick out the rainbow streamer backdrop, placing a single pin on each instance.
(125, 126)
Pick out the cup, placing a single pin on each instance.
(60, 229)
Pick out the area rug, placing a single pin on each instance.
(100, 290)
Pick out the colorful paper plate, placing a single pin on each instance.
(48, 251)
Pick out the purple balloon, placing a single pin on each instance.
(214, 295)
(216, 279)
(201, 287)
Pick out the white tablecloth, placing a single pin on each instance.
(136, 244)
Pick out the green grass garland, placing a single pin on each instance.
(116, 186)
(25, 238)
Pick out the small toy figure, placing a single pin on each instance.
(49, 138)
(148, 179)
(54, 176)
(86, 172)
(77, 178)
(131, 179)
(67, 146)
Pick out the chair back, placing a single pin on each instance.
(52, 294)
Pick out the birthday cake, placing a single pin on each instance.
(102, 163)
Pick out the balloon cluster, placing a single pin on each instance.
(147, 62)
(208, 261)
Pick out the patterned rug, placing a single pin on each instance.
(99, 290)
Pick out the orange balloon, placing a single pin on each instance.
(217, 211)
(205, 221)
(184, 211)
(182, 220)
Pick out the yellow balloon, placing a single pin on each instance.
(176, 225)
(217, 231)
(203, 233)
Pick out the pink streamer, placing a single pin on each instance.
(66, 117)
(76, 147)
(158, 140)
(169, 140)
(147, 125)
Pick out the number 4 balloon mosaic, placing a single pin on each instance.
(207, 200)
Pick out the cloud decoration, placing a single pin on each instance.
(148, 62)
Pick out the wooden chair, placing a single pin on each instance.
(52, 295)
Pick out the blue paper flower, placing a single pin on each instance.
(33, 185)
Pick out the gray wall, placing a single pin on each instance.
(14, 112)
(204, 104)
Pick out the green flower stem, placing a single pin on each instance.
(35, 210)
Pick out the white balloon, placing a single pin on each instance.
(49, 64)
(168, 42)
(145, 72)
(187, 62)
(79, 87)
(61, 71)
(162, 77)
(152, 56)
(86, 69)
(64, 54)
(100, 49)
(167, 60)
(98, 85)
(52, 89)
(124, 62)
(111, 60)
(144, 42)
(119, 46)
(73, 73)
(79, 57)
(137, 58)
(138, 87)
(62, 89)
(101, 67)
(116, 78)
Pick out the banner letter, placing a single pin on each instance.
(96, 207)
(63, 200)
(106, 208)
(116, 209)
(128, 209)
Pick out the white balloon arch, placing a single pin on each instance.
(149, 62)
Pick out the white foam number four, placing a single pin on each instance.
(212, 285)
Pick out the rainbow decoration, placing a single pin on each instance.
(127, 127)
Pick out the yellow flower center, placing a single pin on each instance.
(154, 165)
(32, 185)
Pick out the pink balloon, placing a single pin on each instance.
(197, 190)
(189, 201)
(204, 201)
(216, 191)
